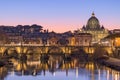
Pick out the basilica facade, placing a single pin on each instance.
(93, 27)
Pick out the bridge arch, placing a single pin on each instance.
(34, 50)
(11, 52)
(29, 50)
(55, 50)
(80, 53)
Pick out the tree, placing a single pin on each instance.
(3, 37)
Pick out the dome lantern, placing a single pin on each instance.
(93, 14)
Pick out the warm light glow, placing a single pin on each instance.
(117, 41)
(76, 71)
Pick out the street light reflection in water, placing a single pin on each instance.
(57, 69)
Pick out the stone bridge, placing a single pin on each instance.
(46, 49)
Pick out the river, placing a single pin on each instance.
(56, 69)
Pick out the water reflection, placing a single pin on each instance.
(57, 68)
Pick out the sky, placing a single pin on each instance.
(60, 15)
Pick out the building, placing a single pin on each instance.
(93, 27)
(115, 31)
(22, 34)
(53, 39)
(71, 40)
(81, 39)
(113, 39)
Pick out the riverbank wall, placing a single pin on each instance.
(113, 63)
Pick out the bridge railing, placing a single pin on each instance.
(45, 45)
(21, 44)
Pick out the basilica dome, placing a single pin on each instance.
(93, 23)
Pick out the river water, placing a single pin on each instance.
(56, 69)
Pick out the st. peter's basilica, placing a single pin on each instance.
(93, 27)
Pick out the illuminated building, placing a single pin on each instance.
(53, 41)
(114, 39)
(83, 39)
(71, 40)
(80, 39)
(93, 27)
(115, 31)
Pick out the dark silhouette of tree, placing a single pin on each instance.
(37, 28)
(3, 37)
